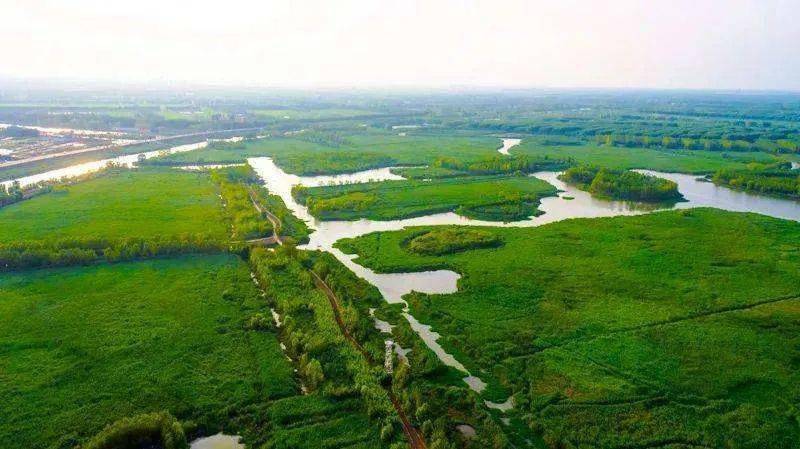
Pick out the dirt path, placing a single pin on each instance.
(276, 224)
(415, 440)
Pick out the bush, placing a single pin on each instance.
(140, 431)
(450, 240)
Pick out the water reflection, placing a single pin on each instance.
(703, 193)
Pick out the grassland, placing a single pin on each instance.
(630, 331)
(83, 347)
(497, 198)
(622, 158)
(121, 204)
(353, 152)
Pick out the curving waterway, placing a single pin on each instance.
(570, 203)
(507, 144)
(127, 161)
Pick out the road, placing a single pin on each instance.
(109, 146)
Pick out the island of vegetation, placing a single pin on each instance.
(438, 242)
(621, 184)
(495, 198)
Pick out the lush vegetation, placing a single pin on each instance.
(291, 226)
(624, 158)
(621, 184)
(359, 151)
(83, 347)
(627, 331)
(146, 430)
(86, 251)
(121, 204)
(236, 186)
(776, 180)
(242, 189)
(496, 198)
(432, 396)
(441, 241)
(328, 363)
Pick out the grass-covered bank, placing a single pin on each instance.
(243, 193)
(317, 153)
(432, 396)
(624, 158)
(495, 198)
(83, 347)
(628, 330)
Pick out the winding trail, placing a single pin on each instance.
(276, 224)
(415, 439)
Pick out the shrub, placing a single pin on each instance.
(450, 240)
(141, 431)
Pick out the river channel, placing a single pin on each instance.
(570, 203)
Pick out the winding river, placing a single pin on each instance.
(570, 203)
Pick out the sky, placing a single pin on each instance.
(695, 44)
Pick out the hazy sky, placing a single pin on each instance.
(739, 44)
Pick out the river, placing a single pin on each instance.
(570, 203)
(89, 167)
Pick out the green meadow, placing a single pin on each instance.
(119, 204)
(629, 331)
(496, 198)
(83, 347)
(624, 158)
(327, 154)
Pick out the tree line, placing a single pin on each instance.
(68, 252)
(502, 164)
(687, 143)
(776, 179)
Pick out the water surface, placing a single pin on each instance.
(218, 441)
(507, 144)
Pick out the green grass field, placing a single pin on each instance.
(497, 198)
(126, 203)
(629, 330)
(83, 347)
(619, 158)
(359, 152)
